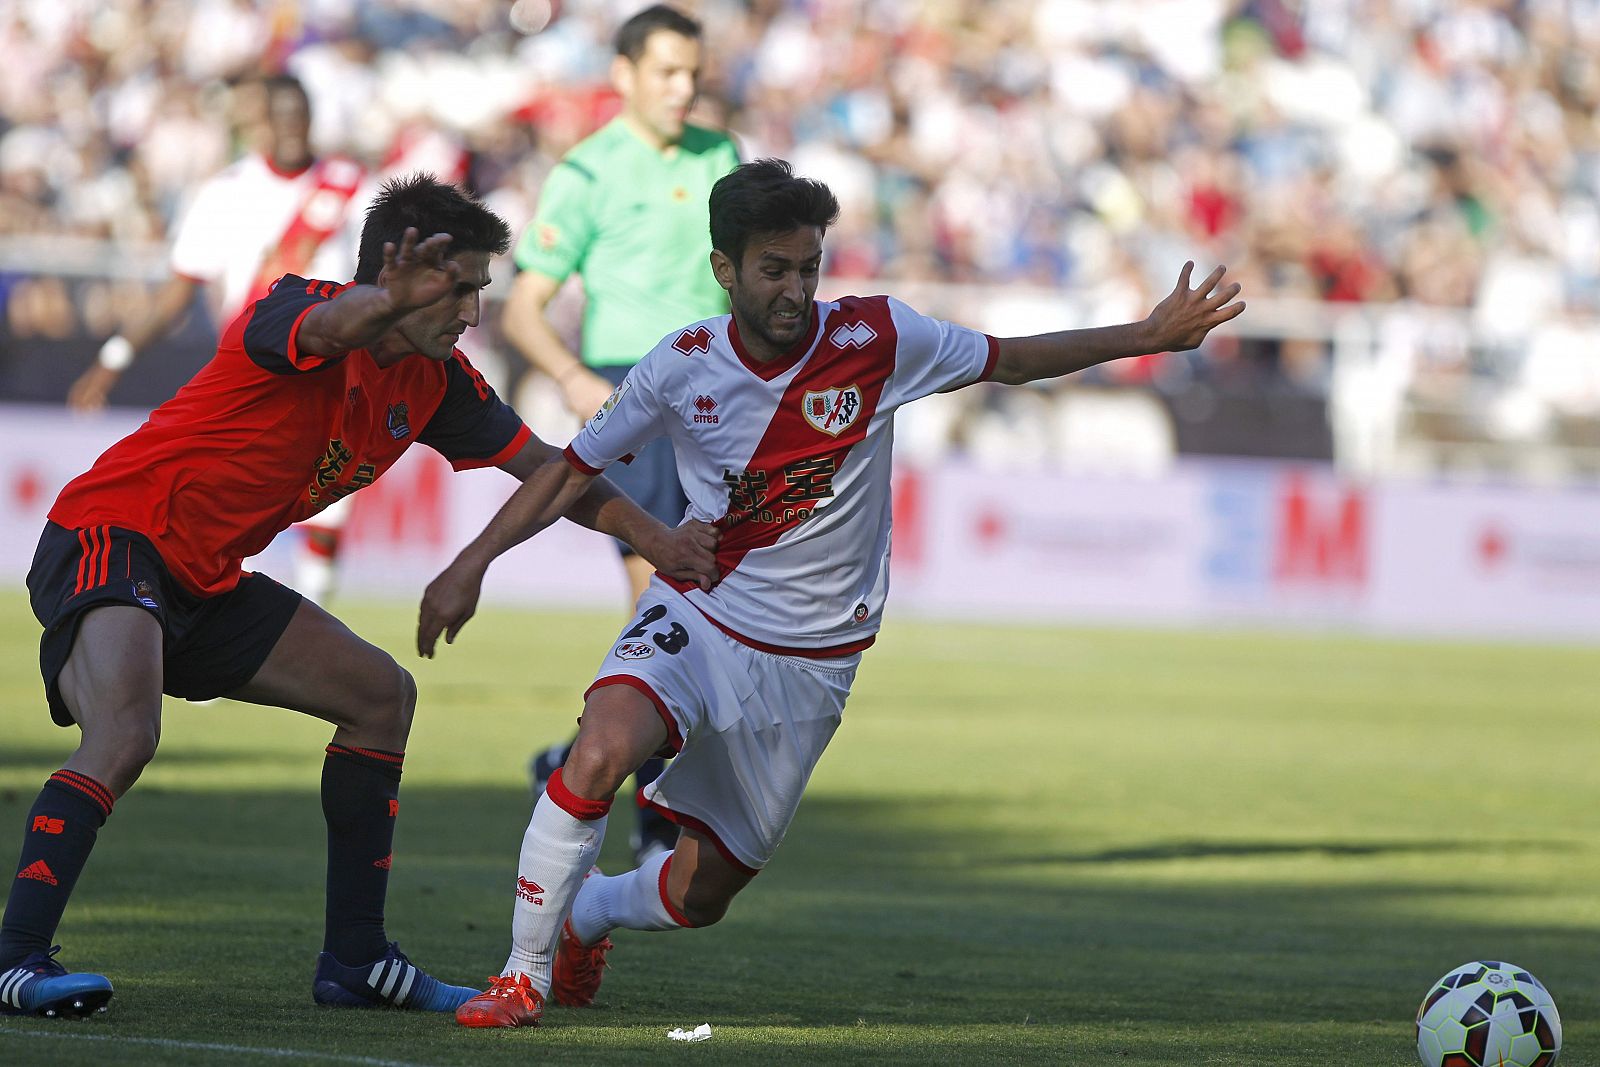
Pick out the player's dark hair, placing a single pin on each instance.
(285, 83)
(633, 34)
(764, 196)
(432, 206)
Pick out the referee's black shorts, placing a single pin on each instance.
(211, 646)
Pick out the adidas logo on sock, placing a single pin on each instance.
(39, 871)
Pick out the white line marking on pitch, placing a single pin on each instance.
(206, 1046)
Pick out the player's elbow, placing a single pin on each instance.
(1010, 372)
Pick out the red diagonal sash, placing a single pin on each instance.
(320, 215)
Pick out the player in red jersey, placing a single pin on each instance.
(746, 680)
(316, 389)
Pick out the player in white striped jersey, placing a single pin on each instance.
(781, 415)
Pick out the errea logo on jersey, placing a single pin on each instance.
(855, 335)
(832, 410)
(705, 409)
(691, 341)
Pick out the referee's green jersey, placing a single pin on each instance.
(633, 223)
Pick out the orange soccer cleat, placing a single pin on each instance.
(510, 1000)
(575, 977)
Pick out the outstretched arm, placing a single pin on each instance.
(89, 392)
(452, 598)
(1180, 322)
(686, 553)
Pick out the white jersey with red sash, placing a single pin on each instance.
(792, 458)
(250, 224)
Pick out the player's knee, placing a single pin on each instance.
(595, 771)
(705, 906)
(405, 698)
(386, 707)
(121, 750)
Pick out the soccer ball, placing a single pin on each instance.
(1488, 1014)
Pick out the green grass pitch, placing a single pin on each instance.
(1025, 846)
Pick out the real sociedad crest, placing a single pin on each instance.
(398, 420)
(832, 410)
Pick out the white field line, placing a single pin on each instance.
(206, 1046)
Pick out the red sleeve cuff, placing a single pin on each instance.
(994, 358)
(519, 439)
(577, 461)
(292, 349)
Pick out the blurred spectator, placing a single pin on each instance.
(1444, 153)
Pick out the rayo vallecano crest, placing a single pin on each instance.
(832, 410)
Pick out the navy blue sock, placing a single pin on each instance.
(360, 800)
(56, 841)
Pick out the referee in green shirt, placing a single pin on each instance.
(626, 209)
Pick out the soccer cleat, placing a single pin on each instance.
(41, 986)
(578, 969)
(390, 982)
(510, 1000)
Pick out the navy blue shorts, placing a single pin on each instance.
(651, 480)
(212, 645)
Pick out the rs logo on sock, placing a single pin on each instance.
(45, 824)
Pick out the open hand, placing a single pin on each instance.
(688, 553)
(1182, 320)
(585, 392)
(417, 273)
(448, 602)
(89, 392)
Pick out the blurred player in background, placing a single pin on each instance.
(315, 391)
(746, 681)
(278, 210)
(626, 210)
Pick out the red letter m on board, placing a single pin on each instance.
(1322, 534)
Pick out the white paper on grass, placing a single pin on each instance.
(699, 1033)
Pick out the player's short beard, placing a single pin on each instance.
(754, 316)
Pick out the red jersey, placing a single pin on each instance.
(266, 435)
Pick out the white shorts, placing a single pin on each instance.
(748, 726)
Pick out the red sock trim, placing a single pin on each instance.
(666, 902)
(328, 549)
(580, 808)
(396, 758)
(87, 786)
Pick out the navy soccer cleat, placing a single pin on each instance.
(41, 986)
(390, 982)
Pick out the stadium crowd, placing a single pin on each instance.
(1443, 152)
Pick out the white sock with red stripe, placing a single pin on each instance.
(634, 901)
(562, 843)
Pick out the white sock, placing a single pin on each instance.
(313, 576)
(557, 851)
(632, 901)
